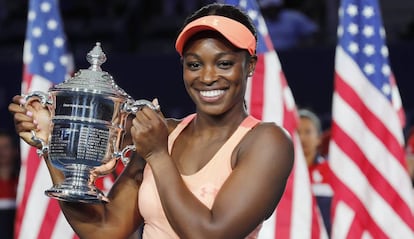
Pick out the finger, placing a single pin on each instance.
(144, 115)
(37, 105)
(137, 123)
(26, 127)
(149, 113)
(25, 116)
(17, 105)
(34, 104)
(156, 103)
(134, 131)
(18, 99)
(16, 108)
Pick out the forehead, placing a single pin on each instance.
(306, 121)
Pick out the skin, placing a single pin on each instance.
(309, 138)
(251, 192)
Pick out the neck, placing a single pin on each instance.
(220, 125)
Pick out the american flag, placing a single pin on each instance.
(46, 62)
(373, 196)
(269, 98)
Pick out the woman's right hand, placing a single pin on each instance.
(28, 117)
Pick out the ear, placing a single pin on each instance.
(252, 64)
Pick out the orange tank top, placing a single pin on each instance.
(201, 184)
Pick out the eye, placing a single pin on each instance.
(225, 64)
(193, 65)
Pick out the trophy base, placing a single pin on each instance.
(75, 194)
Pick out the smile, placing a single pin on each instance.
(211, 93)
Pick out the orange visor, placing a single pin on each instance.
(235, 32)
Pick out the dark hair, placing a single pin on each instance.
(224, 10)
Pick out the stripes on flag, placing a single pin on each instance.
(46, 62)
(373, 195)
(269, 98)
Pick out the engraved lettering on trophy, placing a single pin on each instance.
(92, 143)
(78, 106)
(60, 143)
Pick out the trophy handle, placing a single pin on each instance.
(124, 154)
(133, 107)
(44, 99)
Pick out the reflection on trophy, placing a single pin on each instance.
(88, 112)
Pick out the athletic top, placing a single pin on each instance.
(204, 184)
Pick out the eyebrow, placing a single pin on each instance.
(220, 54)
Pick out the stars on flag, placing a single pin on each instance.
(361, 35)
(45, 46)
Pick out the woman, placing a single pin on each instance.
(218, 173)
(310, 134)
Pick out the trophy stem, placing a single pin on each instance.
(77, 186)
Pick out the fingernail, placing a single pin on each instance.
(22, 101)
(29, 113)
(155, 102)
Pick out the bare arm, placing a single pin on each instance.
(117, 219)
(248, 197)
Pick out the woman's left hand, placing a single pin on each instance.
(149, 132)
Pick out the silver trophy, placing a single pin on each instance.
(89, 113)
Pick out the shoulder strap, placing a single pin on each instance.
(180, 127)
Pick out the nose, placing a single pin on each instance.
(208, 75)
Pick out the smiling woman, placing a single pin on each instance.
(196, 177)
(215, 72)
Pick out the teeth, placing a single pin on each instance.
(211, 93)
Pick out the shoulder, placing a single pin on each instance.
(273, 136)
(270, 133)
(268, 144)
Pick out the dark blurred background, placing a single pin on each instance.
(138, 39)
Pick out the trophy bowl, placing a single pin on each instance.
(89, 113)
